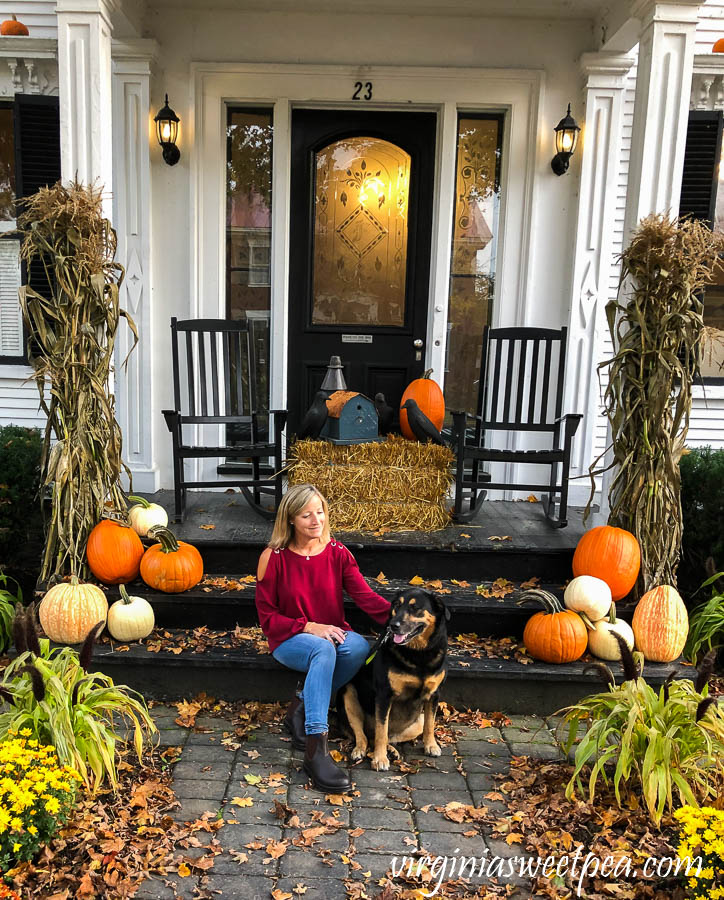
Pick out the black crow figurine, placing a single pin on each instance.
(420, 425)
(314, 417)
(385, 413)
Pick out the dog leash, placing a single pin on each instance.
(377, 644)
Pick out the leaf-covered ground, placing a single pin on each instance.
(235, 818)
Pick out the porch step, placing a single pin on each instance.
(244, 674)
(506, 540)
(470, 611)
(410, 554)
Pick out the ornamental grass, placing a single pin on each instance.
(657, 329)
(72, 331)
(666, 746)
(37, 795)
(50, 691)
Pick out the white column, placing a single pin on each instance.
(84, 73)
(661, 115)
(663, 87)
(132, 142)
(605, 80)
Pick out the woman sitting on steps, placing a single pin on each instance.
(300, 604)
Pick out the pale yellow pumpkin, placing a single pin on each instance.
(144, 515)
(660, 624)
(601, 636)
(130, 618)
(69, 610)
(589, 595)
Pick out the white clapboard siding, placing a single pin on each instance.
(19, 398)
(38, 15)
(11, 320)
(706, 426)
(711, 25)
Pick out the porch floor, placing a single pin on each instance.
(523, 522)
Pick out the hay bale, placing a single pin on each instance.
(398, 485)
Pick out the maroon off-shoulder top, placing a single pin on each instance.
(296, 590)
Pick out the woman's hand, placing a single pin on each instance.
(330, 632)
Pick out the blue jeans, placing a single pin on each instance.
(328, 667)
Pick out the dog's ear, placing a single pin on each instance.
(440, 605)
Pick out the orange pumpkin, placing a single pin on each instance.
(13, 27)
(660, 624)
(611, 554)
(428, 396)
(171, 566)
(555, 635)
(114, 552)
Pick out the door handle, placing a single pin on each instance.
(417, 343)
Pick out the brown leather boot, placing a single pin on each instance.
(321, 768)
(294, 723)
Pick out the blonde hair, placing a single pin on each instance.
(293, 502)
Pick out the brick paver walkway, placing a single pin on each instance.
(393, 815)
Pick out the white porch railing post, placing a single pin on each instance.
(605, 80)
(138, 417)
(84, 76)
(663, 88)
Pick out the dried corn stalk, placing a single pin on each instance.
(72, 333)
(657, 330)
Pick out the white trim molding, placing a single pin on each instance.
(84, 71)
(516, 92)
(663, 89)
(605, 77)
(132, 64)
(32, 66)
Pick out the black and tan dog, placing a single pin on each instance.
(394, 698)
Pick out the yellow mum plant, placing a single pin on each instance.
(702, 838)
(37, 795)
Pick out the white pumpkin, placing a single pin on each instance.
(589, 595)
(601, 640)
(130, 618)
(145, 515)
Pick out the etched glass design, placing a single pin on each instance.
(360, 233)
(472, 269)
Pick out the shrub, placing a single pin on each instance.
(7, 606)
(702, 836)
(662, 742)
(702, 507)
(706, 626)
(50, 692)
(36, 797)
(21, 520)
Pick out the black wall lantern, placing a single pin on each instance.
(566, 140)
(167, 131)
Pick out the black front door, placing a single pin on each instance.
(361, 223)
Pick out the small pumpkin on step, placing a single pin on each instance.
(556, 635)
(171, 566)
(130, 618)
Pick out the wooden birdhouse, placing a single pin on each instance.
(352, 419)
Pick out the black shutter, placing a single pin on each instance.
(37, 162)
(701, 163)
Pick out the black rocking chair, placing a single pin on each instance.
(220, 362)
(518, 368)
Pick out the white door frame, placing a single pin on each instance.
(516, 92)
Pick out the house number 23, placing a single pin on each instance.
(362, 91)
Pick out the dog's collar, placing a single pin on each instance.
(382, 639)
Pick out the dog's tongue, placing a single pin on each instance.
(399, 638)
